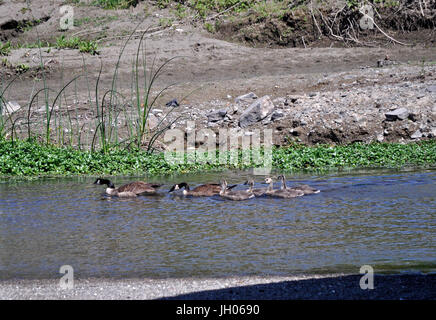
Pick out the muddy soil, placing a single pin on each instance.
(210, 69)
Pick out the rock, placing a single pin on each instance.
(385, 62)
(413, 117)
(292, 100)
(152, 121)
(397, 114)
(233, 109)
(297, 131)
(43, 108)
(256, 112)
(213, 124)
(380, 137)
(246, 97)
(416, 135)
(154, 111)
(216, 115)
(431, 89)
(173, 103)
(10, 107)
(277, 114)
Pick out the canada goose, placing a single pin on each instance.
(258, 191)
(281, 193)
(304, 187)
(132, 189)
(207, 190)
(234, 195)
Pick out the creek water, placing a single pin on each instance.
(385, 219)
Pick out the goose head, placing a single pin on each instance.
(178, 186)
(270, 183)
(268, 180)
(107, 182)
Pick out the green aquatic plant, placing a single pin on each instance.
(209, 27)
(5, 48)
(115, 4)
(67, 43)
(22, 68)
(30, 158)
(88, 47)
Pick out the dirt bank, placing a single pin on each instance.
(327, 94)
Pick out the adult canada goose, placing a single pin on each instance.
(206, 190)
(281, 193)
(304, 187)
(234, 195)
(258, 191)
(132, 189)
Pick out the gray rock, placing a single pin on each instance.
(249, 97)
(291, 100)
(413, 117)
(10, 107)
(213, 124)
(216, 115)
(299, 131)
(256, 112)
(431, 89)
(277, 114)
(380, 137)
(152, 121)
(416, 135)
(233, 109)
(397, 114)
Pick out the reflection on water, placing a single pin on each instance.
(384, 219)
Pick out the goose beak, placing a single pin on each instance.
(246, 182)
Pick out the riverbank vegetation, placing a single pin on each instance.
(298, 22)
(21, 158)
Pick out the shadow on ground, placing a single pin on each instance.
(392, 287)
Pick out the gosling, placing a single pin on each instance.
(234, 195)
(204, 190)
(258, 191)
(306, 189)
(281, 193)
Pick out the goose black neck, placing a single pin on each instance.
(184, 185)
(108, 183)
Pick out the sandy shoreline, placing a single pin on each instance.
(335, 287)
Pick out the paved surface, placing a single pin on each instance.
(410, 286)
